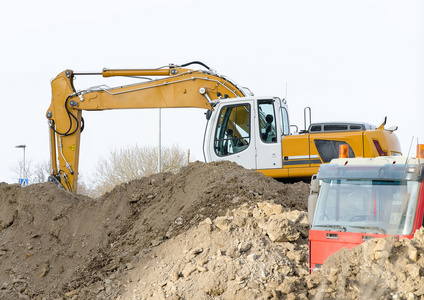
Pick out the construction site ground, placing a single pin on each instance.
(211, 231)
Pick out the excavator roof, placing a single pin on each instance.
(339, 126)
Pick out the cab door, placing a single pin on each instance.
(230, 136)
(268, 135)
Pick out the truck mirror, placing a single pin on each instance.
(313, 198)
(314, 185)
(312, 203)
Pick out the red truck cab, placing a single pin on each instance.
(356, 199)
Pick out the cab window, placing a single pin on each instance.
(266, 118)
(285, 127)
(233, 130)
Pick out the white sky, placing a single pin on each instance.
(347, 60)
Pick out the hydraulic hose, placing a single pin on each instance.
(70, 115)
(196, 62)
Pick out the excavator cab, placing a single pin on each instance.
(246, 132)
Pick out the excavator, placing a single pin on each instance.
(252, 131)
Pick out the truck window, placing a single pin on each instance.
(233, 130)
(387, 207)
(266, 119)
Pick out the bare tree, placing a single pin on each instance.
(126, 164)
(40, 172)
(82, 187)
(35, 173)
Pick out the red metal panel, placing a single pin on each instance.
(321, 246)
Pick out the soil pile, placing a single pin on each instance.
(211, 231)
(55, 244)
(254, 252)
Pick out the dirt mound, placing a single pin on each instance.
(256, 251)
(212, 231)
(57, 244)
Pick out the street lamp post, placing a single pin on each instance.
(23, 169)
(160, 143)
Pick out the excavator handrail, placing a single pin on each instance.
(155, 86)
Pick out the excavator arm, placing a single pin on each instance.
(173, 87)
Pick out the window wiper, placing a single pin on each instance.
(382, 230)
(332, 226)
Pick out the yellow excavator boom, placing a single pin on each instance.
(181, 87)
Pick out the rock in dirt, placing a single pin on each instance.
(237, 260)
